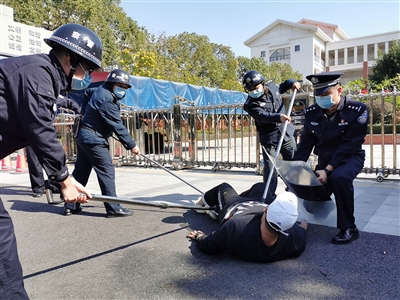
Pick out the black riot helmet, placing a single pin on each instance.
(119, 76)
(81, 41)
(252, 79)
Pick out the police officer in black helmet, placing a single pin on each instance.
(29, 87)
(266, 106)
(102, 118)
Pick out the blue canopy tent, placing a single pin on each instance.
(149, 93)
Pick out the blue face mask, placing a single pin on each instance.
(324, 102)
(256, 93)
(119, 92)
(81, 84)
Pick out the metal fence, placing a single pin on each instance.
(224, 137)
(383, 156)
(188, 137)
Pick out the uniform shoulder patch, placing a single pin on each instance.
(363, 118)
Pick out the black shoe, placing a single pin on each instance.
(37, 194)
(122, 212)
(69, 211)
(346, 236)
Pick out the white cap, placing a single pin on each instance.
(282, 212)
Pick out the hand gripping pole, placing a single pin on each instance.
(278, 148)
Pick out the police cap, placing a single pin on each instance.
(322, 82)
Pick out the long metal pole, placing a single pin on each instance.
(278, 148)
(162, 167)
(120, 200)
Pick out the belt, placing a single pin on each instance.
(88, 128)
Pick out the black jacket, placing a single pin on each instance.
(241, 236)
(68, 103)
(336, 139)
(266, 111)
(29, 87)
(101, 113)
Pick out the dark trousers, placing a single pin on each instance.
(11, 279)
(287, 151)
(96, 157)
(340, 183)
(35, 171)
(224, 196)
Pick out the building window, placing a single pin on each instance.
(262, 54)
(280, 54)
(297, 48)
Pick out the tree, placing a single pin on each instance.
(387, 65)
(375, 107)
(229, 65)
(193, 59)
(141, 63)
(255, 63)
(357, 86)
(186, 57)
(276, 71)
(116, 30)
(281, 72)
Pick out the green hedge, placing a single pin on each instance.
(388, 129)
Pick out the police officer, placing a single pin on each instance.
(265, 105)
(29, 87)
(102, 118)
(335, 127)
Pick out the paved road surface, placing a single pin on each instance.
(147, 256)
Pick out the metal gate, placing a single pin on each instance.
(224, 137)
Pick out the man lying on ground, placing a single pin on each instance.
(250, 229)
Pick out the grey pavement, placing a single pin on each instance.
(147, 256)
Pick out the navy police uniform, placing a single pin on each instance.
(36, 175)
(101, 118)
(337, 141)
(29, 87)
(266, 111)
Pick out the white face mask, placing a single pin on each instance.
(256, 93)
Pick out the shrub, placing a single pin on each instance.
(376, 111)
(387, 128)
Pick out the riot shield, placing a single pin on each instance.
(300, 179)
(315, 204)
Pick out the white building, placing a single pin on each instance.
(312, 47)
(19, 39)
